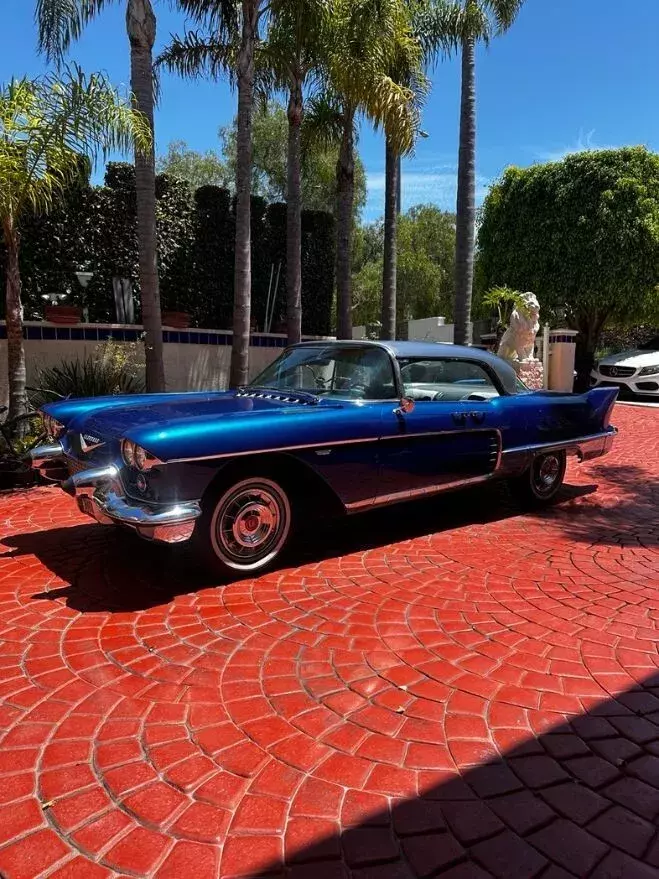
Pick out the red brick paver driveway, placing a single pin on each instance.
(426, 696)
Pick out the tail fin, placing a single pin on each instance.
(602, 400)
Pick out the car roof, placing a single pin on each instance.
(421, 350)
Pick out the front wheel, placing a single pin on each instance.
(244, 526)
(542, 481)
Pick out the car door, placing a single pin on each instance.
(451, 436)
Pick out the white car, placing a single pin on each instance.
(636, 371)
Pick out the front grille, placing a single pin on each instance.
(617, 371)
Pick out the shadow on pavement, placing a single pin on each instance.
(128, 574)
(579, 799)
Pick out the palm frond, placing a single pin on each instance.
(197, 55)
(322, 125)
(439, 27)
(220, 17)
(47, 124)
(503, 12)
(61, 22)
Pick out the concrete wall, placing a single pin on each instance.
(194, 359)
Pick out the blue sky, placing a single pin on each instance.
(571, 74)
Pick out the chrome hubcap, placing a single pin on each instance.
(547, 471)
(249, 523)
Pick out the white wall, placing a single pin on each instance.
(188, 365)
(430, 329)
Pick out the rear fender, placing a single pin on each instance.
(601, 401)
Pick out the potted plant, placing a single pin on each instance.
(57, 313)
(502, 300)
(178, 319)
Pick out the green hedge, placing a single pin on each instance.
(95, 228)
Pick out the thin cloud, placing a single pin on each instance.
(583, 143)
(437, 186)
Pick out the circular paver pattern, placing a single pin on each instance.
(474, 694)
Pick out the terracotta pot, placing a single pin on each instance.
(63, 314)
(178, 319)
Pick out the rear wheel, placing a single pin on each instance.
(244, 526)
(542, 481)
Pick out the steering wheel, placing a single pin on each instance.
(316, 382)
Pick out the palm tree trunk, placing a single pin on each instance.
(399, 193)
(465, 223)
(242, 280)
(294, 217)
(141, 27)
(388, 319)
(14, 320)
(345, 194)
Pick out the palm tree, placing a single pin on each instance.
(435, 26)
(46, 125)
(481, 20)
(290, 54)
(60, 22)
(364, 39)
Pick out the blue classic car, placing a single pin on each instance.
(329, 426)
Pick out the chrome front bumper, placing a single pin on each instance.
(97, 493)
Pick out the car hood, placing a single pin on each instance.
(159, 412)
(635, 357)
(182, 426)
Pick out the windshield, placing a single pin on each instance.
(347, 372)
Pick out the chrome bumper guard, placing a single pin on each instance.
(41, 456)
(95, 492)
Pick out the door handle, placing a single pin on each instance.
(478, 417)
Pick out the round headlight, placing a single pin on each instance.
(145, 460)
(128, 452)
(140, 457)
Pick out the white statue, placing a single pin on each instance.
(518, 342)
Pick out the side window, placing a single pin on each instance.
(446, 379)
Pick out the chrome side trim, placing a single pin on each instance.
(576, 445)
(333, 443)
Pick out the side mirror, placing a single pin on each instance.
(405, 407)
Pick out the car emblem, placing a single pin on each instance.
(614, 370)
(88, 442)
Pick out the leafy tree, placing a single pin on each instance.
(60, 23)
(480, 21)
(46, 124)
(199, 169)
(269, 134)
(583, 234)
(426, 257)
